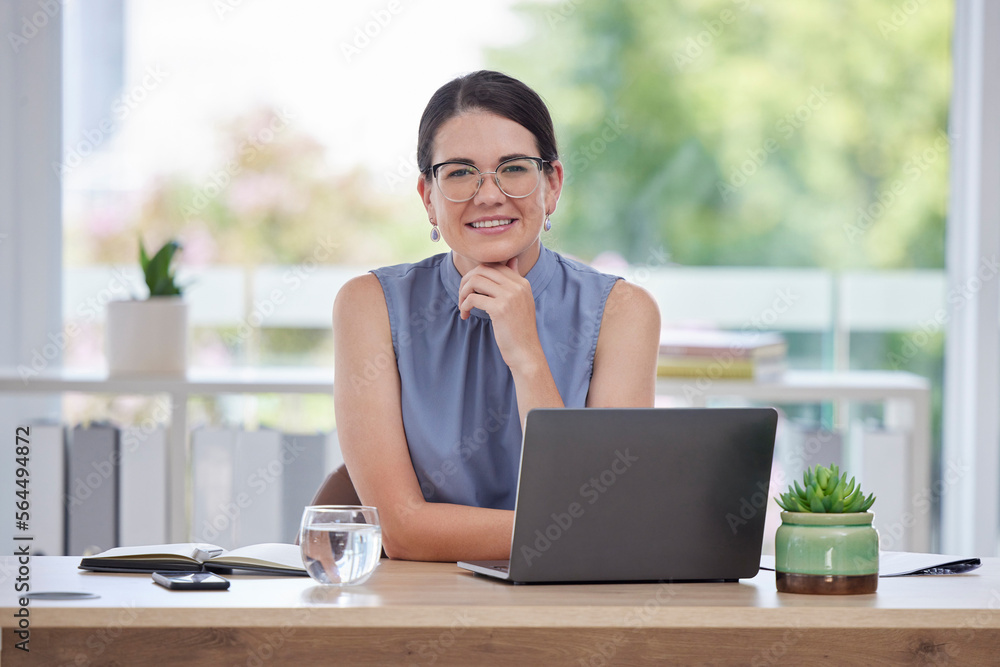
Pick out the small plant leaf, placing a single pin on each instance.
(838, 490)
(157, 273)
(825, 489)
(143, 257)
(823, 475)
(868, 503)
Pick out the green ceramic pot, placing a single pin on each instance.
(833, 554)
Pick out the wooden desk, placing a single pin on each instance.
(434, 613)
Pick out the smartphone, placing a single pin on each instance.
(191, 581)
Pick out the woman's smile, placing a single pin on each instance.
(492, 225)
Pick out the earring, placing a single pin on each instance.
(548, 224)
(435, 234)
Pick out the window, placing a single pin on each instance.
(801, 144)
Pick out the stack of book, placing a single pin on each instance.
(714, 355)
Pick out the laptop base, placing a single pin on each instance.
(500, 570)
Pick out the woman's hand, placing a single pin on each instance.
(501, 291)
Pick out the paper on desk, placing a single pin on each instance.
(900, 563)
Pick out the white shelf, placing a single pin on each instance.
(905, 396)
(285, 380)
(794, 386)
(178, 390)
(806, 386)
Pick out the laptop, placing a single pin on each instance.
(639, 494)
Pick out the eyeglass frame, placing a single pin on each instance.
(483, 174)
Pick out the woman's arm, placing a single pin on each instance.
(373, 442)
(627, 345)
(506, 295)
(627, 348)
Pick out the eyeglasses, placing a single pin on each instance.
(460, 181)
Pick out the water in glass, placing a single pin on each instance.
(336, 552)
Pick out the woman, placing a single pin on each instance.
(439, 362)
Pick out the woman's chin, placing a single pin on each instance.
(496, 255)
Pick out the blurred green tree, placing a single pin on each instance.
(732, 132)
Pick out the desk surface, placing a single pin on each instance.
(424, 613)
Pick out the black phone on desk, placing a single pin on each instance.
(191, 581)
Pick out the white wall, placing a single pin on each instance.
(971, 509)
(30, 208)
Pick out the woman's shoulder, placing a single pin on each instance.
(632, 296)
(573, 266)
(632, 305)
(401, 271)
(373, 290)
(360, 287)
(359, 295)
(624, 295)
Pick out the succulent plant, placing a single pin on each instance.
(156, 271)
(826, 490)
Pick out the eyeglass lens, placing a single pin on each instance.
(516, 178)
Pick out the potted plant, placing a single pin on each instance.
(826, 543)
(149, 336)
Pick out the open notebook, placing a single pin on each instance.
(268, 558)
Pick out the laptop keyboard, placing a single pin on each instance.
(500, 568)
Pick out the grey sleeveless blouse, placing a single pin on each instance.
(458, 401)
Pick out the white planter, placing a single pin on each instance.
(147, 337)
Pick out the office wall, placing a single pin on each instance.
(30, 207)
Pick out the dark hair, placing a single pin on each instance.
(490, 91)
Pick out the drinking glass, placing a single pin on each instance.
(340, 544)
